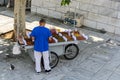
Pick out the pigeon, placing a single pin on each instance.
(12, 67)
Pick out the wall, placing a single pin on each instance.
(3, 2)
(98, 14)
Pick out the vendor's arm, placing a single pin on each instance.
(33, 35)
(50, 35)
(50, 38)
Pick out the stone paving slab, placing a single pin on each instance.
(114, 77)
(84, 72)
(103, 74)
(92, 65)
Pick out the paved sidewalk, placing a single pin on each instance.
(97, 60)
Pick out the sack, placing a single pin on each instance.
(16, 49)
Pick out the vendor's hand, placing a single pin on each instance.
(33, 39)
(50, 39)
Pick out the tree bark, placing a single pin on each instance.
(19, 18)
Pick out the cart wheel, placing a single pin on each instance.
(54, 59)
(71, 51)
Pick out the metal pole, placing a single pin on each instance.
(4, 2)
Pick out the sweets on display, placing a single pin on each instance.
(29, 41)
(66, 34)
(57, 36)
(78, 35)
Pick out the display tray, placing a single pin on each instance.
(57, 37)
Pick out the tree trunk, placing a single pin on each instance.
(19, 18)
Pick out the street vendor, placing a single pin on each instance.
(41, 35)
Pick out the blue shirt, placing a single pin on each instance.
(41, 35)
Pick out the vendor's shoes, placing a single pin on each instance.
(37, 73)
(47, 70)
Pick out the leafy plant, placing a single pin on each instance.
(65, 2)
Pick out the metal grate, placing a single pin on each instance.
(116, 0)
(95, 30)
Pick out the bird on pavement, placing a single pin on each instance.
(12, 67)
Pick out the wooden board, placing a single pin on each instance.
(10, 34)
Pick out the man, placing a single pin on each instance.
(40, 35)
